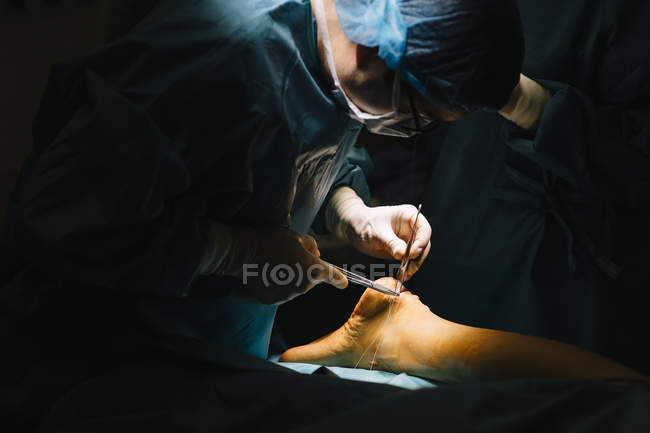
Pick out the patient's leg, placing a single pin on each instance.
(412, 339)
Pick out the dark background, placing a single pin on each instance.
(33, 35)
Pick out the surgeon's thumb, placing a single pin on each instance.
(309, 243)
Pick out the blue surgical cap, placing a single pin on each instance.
(463, 55)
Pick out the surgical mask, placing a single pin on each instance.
(394, 123)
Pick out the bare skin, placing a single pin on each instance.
(416, 341)
(527, 103)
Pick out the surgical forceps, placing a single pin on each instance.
(365, 282)
(406, 259)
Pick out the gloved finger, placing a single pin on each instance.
(309, 244)
(404, 224)
(422, 238)
(394, 246)
(323, 272)
(416, 264)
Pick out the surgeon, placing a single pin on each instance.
(212, 137)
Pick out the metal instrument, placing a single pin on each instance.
(406, 259)
(365, 282)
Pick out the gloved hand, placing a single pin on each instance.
(380, 232)
(278, 264)
(527, 103)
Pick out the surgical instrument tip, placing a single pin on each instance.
(363, 281)
(383, 289)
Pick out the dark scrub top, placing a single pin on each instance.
(204, 110)
(547, 233)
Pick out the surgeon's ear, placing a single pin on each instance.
(368, 58)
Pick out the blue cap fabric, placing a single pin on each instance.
(463, 55)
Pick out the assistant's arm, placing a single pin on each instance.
(585, 142)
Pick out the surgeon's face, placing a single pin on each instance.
(366, 79)
(370, 84)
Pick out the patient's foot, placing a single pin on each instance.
(376, 335)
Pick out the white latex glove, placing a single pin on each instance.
(527, 103)
(380, 232)
(260, 254)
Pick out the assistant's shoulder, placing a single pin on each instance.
(236, 19)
